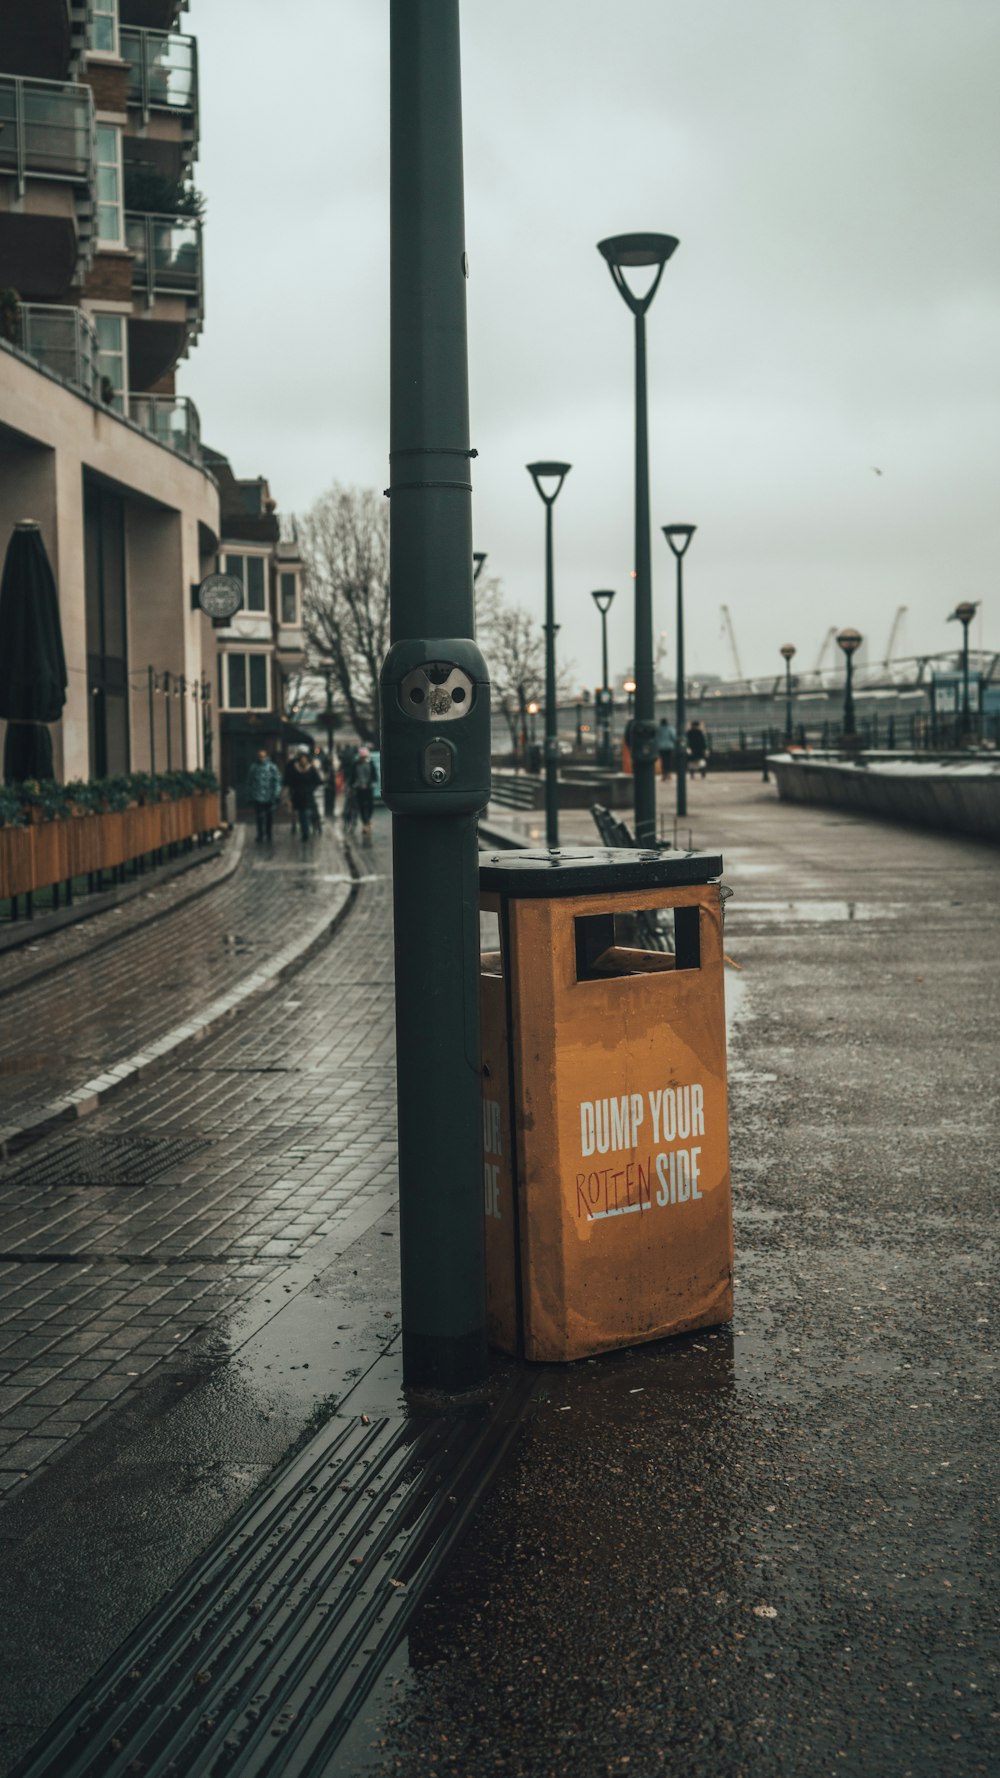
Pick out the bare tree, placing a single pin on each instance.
(344, 542)
(513, 643)
(514, 648)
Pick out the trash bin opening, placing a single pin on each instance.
(637, 943)
(490, 957)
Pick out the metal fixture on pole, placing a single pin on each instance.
(166, 695)
(557, 473)
(787, 652)
(151, 693)
(623, 251)
(965, 612)
(478, 558)
(602, 599)
(678, 537)
(436, 779)
(849, 641)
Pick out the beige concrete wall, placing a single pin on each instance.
(51, 438)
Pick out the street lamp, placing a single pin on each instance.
(478, 558)
(532, 712)
(965, 612)
(678, 537)
(622, 251)
(550, 473)
(787, 652)
(628, 686)
(850, 641)
(602, 599)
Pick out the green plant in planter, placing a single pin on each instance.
(143, 787)
(45, 795)
(11, 806)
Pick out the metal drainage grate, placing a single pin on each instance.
(103, 1160)
(260, 1659)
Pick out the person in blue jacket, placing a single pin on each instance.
(264, 790)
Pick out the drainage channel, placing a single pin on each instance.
(260, 1659)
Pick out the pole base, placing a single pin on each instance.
(445, 1361)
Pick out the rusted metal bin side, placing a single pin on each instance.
(605, 1132)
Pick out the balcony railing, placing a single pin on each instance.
(163, 70)
(46, 130)
(166, 254)
(171, 419)
(63, 340)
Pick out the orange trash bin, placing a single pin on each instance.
(605, 1128)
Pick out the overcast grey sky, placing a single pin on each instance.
(831, 169)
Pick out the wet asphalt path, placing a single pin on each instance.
(772, 1549)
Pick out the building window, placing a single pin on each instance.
(102, 35)
(110, 330)
(247, 682)
(109, 185)
(250, 570)
(290, 599)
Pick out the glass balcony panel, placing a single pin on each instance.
(171, 419)
(163, 69)
(167, 254)
(47, 128)
(61, 339)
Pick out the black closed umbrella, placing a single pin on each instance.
(32, 662)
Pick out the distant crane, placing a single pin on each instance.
(727, 625)
(897, 624)
(827, 639)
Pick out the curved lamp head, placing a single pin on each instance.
(637, 250)
(849, 640)
(678, 537)
(478, 558)
(787, 650)
(603, 599)
(543, 472)
(964, 612)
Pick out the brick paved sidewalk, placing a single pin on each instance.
(127, 1239)
(68, 1037)
(43, 947)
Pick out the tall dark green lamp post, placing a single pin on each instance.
(849, 641)
(787, 654)
(548, 479)
(623, 252)
(602, 599)
(435, 714)
(678, 537)
(964, 613)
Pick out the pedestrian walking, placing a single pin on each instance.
(264, 791)
(348, 761)
(697, 746)
(666, 743)
(364, 789)
(302, 782)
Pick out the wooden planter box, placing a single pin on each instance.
(47, 852)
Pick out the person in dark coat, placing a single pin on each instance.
(302, 781)
(697, 746)
(363, 786)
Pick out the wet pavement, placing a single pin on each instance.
(64, 1029)
(768, 1548)
(772, 1548)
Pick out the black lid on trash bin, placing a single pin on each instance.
(583, 870)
